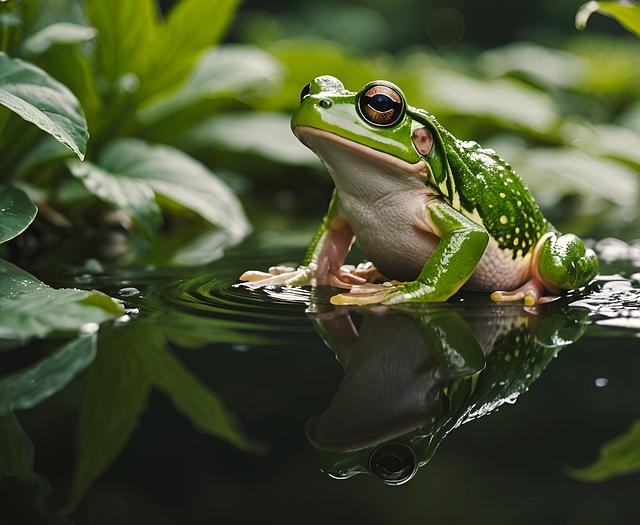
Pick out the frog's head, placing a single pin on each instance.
(374, 123)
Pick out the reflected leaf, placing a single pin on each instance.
(180, 178)
(627, 14)
(58, 33)
(217, 75)
(617, 457)
(17, 212)
(27, 388)
(43, 101)
(30, 308)
(206, 247)
(132, 359)
(265, 134)
(116, 393)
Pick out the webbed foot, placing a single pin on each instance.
(530, 293)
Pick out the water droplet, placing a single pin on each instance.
(601, 382)
(89, 328)
(128, 292)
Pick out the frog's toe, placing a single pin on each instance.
(364, 294)
(276, 276)
(530, 293)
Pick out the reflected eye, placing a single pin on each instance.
(393, 463)
(381, 105)
(305, 92)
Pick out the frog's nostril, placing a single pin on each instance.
(326, 103)
(306, 91)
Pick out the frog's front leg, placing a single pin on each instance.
(462, 243)
(559, 263)
(323, 263)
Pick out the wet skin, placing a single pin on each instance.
(433, 213)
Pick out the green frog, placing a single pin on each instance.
(432, 212)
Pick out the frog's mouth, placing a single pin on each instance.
(323, 144)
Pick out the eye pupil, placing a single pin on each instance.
(381, 105)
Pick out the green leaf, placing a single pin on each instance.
(29, 387)
(217, 75)
(617, 457)
(17, 212)
(58, 33)
(127, 36)
(121, 192)
(43, 101)
(16, 449)
(627, 14)
(608, 140)
(179, 178)
(117, 389)
(191, 27)
(259, 133)
(29, 308)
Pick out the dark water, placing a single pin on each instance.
(213, 403)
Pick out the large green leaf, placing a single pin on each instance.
(218, 74)
(179, 178)
(58, 33)
(626, 13)
(29, 308)
(29, 387)
(191, 27)
(618, 457)
(267, 134)
(127, 36)
(17, 211)
(43, 101)
(123, 193)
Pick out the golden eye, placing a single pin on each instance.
(381, 105)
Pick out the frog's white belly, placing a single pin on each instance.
(389, 235)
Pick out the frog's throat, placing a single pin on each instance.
(308, 136)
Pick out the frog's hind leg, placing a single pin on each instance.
(563, 263)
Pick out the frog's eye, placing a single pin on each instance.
(381, 105)
(306, 91)
(393, 463)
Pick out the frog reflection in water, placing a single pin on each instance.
(412, 377)
(426, 208)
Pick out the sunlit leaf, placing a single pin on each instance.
(605, 139)
(265, 134)
(504, 101)
(17, 211)
(127, 36)
(123, 193)
(617, 457)
(29, 387)
(117, 388)
(626, 13)
(218, 74)
(179, 178)
(58, 33)
(554, 173)
(191, 27)
(43, 101)
(539, 64)
(29, 308)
